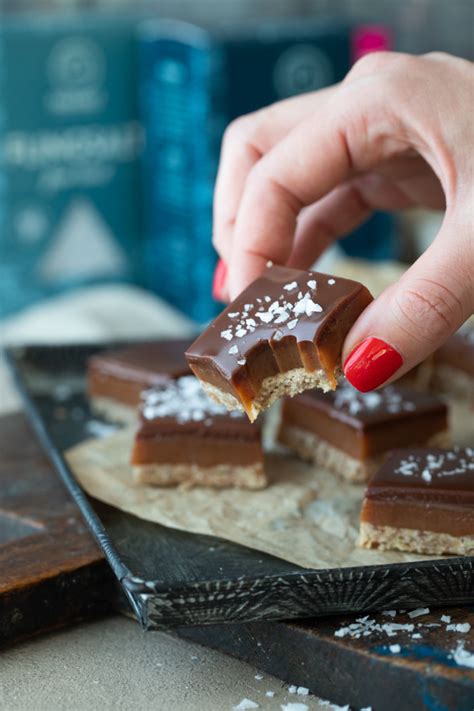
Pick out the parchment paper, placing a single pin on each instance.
(306, 516)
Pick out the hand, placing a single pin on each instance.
(398, 132)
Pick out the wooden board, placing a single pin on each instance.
(169, 576)
(359, 672)
(52, 571)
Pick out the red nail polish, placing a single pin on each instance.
(371, 363)
(220, 275)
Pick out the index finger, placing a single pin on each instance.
(327, 148)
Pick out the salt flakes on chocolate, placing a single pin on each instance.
(431, 466)
(183, 399)
(354, 402)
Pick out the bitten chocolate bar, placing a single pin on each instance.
(184, 437)
(116, 379)
(421, 500)
(282, 335)
(349, 432)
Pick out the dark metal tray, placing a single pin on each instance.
(173, 578)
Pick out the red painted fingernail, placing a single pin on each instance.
(371, 363)
(220, 275)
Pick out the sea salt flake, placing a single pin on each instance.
(311, 283)
(241, 332)
(331, 282)
(298, 706)
(291, 286)
(302, 691)
(246, 704)
(259, 677)
(250, 322)
(270, 694)
(242, 361)
(445, 618)
(227, 334)
(291, 324)
(278, 335)
(233, 350)
(267, 299)
(389, 613)
(292, 689)
(269, 264)
(426, 475)
(265, 316)
(234, 314)
(416, 635)
(395, 648)
(418, 612)
(282, 316)
(462, 656)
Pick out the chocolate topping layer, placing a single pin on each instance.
(180, 423)
(424, 489)
(428, 475)
(367, 424)
(287, 319)
(122, 374)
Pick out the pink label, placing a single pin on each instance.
(370, 38)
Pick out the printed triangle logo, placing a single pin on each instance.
(83, 248)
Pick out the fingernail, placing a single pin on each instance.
(218, 281)
(371, 363)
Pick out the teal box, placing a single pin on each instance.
(193, 82)
(70, 147)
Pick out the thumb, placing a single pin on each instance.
(413, 317)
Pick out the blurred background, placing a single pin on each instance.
(111, 118)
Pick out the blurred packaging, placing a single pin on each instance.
(70, 145)
(193, 83)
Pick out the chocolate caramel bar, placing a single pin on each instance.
(421, 500)
(349, 432)
(282, 335)
(116, 379)
(453, 365)
(183, 437)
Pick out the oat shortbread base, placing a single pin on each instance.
(113, 411)
(387, 538)
(312, 448)
(189, 475)
(273, 388)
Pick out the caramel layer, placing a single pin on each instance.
(182, 448)
(369, 432)
(435, 517)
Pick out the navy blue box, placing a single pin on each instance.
(193, 82)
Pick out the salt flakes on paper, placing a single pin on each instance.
(246, 704)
